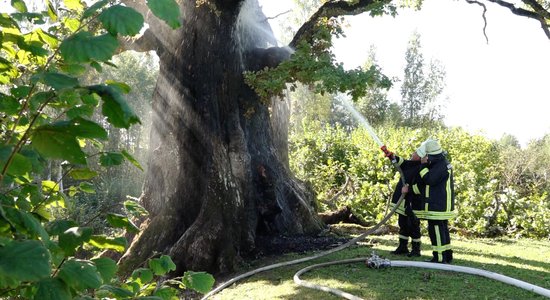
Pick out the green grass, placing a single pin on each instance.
(523, 259)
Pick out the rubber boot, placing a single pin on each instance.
(448, 256)
(434, 258)
(402, 248)
(415, 252)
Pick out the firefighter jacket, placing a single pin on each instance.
(410, 170)
(435, 189)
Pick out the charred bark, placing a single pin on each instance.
(215, 179)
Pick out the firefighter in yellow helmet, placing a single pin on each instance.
(434, 188)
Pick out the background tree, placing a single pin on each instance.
(375, 106)
(139, 71)
(421, 86)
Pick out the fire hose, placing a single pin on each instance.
(376, 262)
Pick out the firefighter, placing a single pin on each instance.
(435, 188)
(409, 224)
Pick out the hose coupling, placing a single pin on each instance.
(377, 262)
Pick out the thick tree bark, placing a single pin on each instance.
(215, 179)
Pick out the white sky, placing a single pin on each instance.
(494, 88)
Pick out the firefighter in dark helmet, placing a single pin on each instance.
(409, 224)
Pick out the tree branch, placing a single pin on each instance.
(483, 15)
(539, 13)
(333, 9)
(147, 42)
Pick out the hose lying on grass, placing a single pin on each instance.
(417, 264)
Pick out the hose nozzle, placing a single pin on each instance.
(387, 152)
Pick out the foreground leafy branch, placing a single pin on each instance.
(46, 114)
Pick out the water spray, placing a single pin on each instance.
(344, 99)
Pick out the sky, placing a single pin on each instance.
(492, 88)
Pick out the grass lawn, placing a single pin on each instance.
(523, 259)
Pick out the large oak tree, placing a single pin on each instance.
(218, 174)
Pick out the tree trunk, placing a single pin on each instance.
(215, 179)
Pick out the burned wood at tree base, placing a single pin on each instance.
(277, 245)
(344, 215)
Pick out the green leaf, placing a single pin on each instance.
(120, 221)
(57, 142)
(69, 97)
(80, 111)
(83, 174)
(80, 274)
(145, 275)
(91, 99)
(166, 293)
(49, 186)
(52, 289)
(73, 238)
(73, 69)
(97, 66)
(115, 108)
(8, 104)
(102, 242)
(84, 47)
(111, 159)
(125, 88)
(58, 227)
(87, 188)
(59, 81)
(7, 22)
(116, 291)
(33, 225)
(121, 19)
(201, 282)
(73, 5)
(40, 98)
(19, 5)
(166, 10)
(135, 209)
(72, 24)
(131, 159)
(92, 9)
(106, 267)
(52, 13)
(47, 38)
(20, 91)
(25, 260)
(58, 255)
(162, 265)
(87, 129)
(20, 165)
(33, 47)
